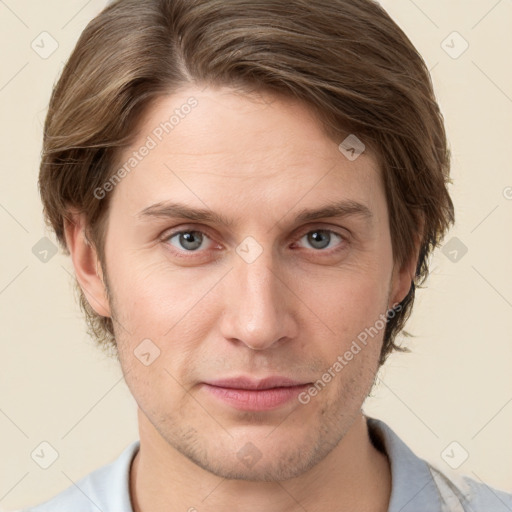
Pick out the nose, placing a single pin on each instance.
(259, 307)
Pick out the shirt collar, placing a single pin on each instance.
(118, 497)
(413, 488)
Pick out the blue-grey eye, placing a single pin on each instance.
(320, 238)
(188, 240)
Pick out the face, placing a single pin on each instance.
(221, 275)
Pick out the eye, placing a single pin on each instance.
(189, 241)
(322, 239)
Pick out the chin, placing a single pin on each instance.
(265, 456)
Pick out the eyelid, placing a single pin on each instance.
(294, 238)
(170, 233)
(344, 239)
(337, 230)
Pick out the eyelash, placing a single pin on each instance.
(182, 253)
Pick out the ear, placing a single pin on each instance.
(401, 282)
(403, 276)
(86, 263)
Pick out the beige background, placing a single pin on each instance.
(455, 386)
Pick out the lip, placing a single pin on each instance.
(248, 383)
(248, 394)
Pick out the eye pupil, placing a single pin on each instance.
(187, 240)
(319, 239)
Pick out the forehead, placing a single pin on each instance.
(257, 149)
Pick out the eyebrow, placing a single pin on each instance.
(172, 210)
(341, 209)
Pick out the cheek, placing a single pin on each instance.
(150, 293)
(351, 300)
(174, 309)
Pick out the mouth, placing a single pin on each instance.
(248, 394)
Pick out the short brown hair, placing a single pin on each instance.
(347, 59)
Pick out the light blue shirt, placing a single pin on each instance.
(417, 486)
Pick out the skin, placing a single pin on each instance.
(258, 160)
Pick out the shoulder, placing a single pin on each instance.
(106, 489)
(418, 486)
(472, 495)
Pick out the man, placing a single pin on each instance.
(249, 192)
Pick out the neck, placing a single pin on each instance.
(353, 476)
